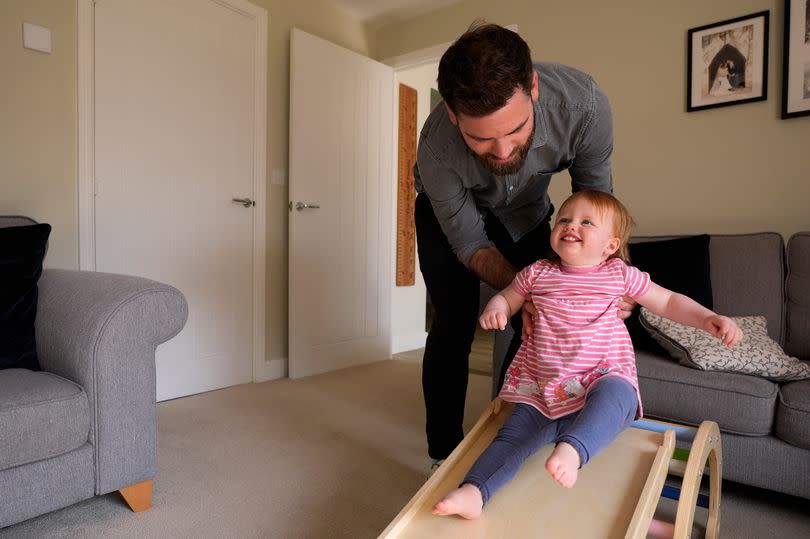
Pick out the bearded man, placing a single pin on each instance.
(485, 160)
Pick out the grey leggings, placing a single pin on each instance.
(610, 407)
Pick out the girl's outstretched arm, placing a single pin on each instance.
(685, 310)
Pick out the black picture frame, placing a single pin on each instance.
(727, 62)
(796, 64)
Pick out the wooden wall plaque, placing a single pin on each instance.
(406, 194)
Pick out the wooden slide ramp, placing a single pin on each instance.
(615, 495)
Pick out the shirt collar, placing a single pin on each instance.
(540, 126)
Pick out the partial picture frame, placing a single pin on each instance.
(796, 65)
(728, 62)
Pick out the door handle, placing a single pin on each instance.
(246, 202)
(300, 206)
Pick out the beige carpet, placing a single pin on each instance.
(336, 455)
(330, 456)
(481, 352)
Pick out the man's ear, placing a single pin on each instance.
(535, 87)
(451, 114)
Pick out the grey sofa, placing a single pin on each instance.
(765, 425)
(86, 423)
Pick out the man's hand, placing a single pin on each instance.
(625, 305)
(527, 315)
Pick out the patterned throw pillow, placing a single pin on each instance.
(755, 354)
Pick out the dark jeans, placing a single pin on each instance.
(454, 293)
(610, 407)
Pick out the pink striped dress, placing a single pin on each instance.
(576, 337)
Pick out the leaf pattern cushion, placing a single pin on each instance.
(756, 354)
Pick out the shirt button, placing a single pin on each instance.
(511, 187)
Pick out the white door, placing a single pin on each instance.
(174, 128)
(341, 160)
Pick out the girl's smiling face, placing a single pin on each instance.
(583, 235)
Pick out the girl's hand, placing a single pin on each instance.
(724, 328)
(493, 319)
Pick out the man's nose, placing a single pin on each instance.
(502, 148)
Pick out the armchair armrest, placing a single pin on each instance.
(101, 330)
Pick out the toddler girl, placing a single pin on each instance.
(574, 379)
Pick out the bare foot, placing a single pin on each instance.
(466, 501)
(563, 464)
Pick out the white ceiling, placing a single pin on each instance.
(388, 11)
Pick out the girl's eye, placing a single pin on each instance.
(586, 222)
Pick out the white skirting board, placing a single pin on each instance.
(403, 343)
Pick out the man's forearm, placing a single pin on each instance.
(492, 268)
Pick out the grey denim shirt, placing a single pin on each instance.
(573, 130)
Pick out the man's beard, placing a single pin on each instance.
(518, 157)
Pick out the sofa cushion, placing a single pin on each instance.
(679, 264)
(22, 249)
(42, 415)
(738, 403)
(793, 414)
(797, 333)
(748, 277)
(756, 354)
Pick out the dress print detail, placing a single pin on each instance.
(569, 389)
(524, 387)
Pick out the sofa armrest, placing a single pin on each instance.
(101, 330)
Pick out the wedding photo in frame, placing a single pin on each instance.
(728, 62)
(796, 67)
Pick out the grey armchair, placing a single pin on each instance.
(86, 424)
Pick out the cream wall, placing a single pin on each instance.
(38, 161)
(408, 302)
(38, 127)
(725, 170)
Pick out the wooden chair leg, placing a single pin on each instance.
(138, 496)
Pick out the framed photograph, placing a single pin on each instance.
(796, 68)
(728, 62)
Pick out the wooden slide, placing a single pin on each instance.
(616, 493)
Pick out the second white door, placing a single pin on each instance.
(341, 160)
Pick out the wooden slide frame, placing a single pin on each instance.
(615, 496)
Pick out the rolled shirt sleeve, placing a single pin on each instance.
(454, 205)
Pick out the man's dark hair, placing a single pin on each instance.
(480, 72)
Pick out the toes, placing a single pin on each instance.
(440, 508)
(560, 473)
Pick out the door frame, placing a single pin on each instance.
(262, 369)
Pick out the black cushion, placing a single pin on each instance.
(681, 265)
(22, 249)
